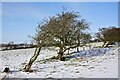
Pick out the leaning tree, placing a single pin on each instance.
(109, 35)
(65, 30)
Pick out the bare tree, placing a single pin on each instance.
(63, 30)
(39, 39)
(109, 35)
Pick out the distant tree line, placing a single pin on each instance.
(11, 46)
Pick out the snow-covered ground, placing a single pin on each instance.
(94, 63)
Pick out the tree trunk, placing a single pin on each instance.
(104, 42)
(68, 51)
(77, 49)
(33, 58)
(78, 40)
(60, 53)
(107, 43)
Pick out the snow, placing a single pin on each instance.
(93, 63)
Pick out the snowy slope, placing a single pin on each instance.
(94, 63)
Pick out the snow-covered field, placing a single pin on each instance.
(94, 63)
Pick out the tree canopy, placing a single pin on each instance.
(65, 29)
(110, 34)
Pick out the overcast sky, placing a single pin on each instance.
(19, 19)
